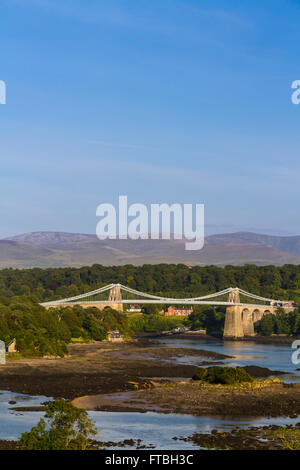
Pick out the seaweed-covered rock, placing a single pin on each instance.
(222, 375)
(257, 371)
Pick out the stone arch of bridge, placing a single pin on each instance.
(267, 312)
(247, 321)
(256, 315)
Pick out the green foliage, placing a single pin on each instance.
(200, 374)
(290, 437)
(222, 375)
(280, 324)
(67, 428)
(162, 279)
(41, 332)
(267, 325)
(153, 309)
(155, 323)
(208, 318)
(37, 331)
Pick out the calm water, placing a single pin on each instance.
(157, 429)
(275, 357)
(153, 429)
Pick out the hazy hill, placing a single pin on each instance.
(53, 249)
(287, 244)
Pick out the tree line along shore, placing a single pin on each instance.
(39, 332)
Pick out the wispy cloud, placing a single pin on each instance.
(93, 12)
(180, 21)
(223, 16)
(115, 144)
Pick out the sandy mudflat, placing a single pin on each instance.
(263, 398)
(135, 376)
(102, 367)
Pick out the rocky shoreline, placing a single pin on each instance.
(254, 438)
(154, 374)
(142, 375)
(101, 367)
(274, 339)
(95, 445)
(263, 398)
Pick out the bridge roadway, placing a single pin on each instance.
(240, 317)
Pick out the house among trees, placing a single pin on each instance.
(136, 309)
(115, 336)
(178, 312)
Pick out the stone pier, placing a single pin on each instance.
(233, 323)
(240, 320)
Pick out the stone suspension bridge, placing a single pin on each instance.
(243, 309)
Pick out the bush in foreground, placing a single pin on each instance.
(290, 437)
(67, 428)
(222, 375)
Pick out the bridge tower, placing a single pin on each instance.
(233, 320)
(234, 296)
(115, 293)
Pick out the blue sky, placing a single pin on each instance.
(163, 101)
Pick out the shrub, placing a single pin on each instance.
(222, 375)
(200, 374)
(67, 428)
(290, 437)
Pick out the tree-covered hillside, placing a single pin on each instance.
(166, 279)
(42, 332)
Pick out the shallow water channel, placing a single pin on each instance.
(155, 429)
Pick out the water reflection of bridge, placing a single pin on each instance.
(243, 309)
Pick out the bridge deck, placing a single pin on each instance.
(168, 301)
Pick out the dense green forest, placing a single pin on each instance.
(41, 332)
(166, 279)
(282, 323)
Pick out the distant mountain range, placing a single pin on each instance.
(59, 249)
